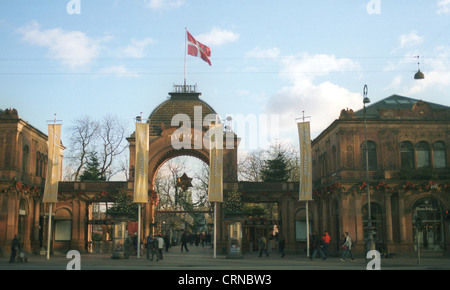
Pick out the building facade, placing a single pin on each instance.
(23, 166)
(407, 173)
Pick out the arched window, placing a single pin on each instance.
(407, 154)
(439, 155)
(63, 225)
(22, 222)
(423, 154)
(25, 158)
(38, 162)
(372, 151)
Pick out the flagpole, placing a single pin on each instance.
(215, 229)
(49, 230)
(307, 230)
(185, 53)
(139, 232)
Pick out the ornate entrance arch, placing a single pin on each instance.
(164, 130)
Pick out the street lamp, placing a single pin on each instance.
(370, 244)
(419, 75)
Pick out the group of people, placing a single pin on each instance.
(155, 246)
(263, 245)
(319, 245)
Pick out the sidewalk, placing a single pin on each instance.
(201, 258)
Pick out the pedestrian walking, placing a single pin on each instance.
(166, 242)
(135, 249)
(148, 246)
(347, 247)
(154, 247)
(262, 245)
(184, 239)
(316, 246)
(281, 244)
(326, 243)
(160, 246)
(15, 247)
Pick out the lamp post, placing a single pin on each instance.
(370, 245)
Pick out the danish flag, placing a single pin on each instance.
(197, 49)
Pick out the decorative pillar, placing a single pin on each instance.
(35, 234)
(402, 218)
(388, 211)
(359, 219)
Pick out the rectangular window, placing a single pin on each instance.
(300, 230)
(63, 230)
(439, 159)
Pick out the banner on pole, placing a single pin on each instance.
(215, 187)
(141, 166)
(305, 162)
(53, 164)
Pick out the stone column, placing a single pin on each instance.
(35, 234)
(388, 211)
(402, 218)
(359, 219)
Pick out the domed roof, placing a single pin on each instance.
(178, 103)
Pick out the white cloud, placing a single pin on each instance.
(444, 7)
(217, 37)
(165, 4)
(322, 101)
(259, 52)
(136, 49)
(410, 39)
(307, 67)
(73, 48)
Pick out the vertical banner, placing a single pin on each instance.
(141, 163)
(216, 164)
(305, 162)
(53, 164)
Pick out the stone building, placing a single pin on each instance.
(408, 143)
(23, 165)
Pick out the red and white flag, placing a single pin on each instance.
(197, 49)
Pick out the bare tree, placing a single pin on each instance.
(105, 137)
(250, 165)
(112, 134)
(83, 132)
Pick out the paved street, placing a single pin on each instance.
(201, 258)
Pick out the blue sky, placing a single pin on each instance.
(268, 57)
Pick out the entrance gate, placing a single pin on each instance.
(165, 130)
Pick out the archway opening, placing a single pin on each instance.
(182, 185)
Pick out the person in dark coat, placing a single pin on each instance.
(184, 241)
(316, 246)
(15, 247)
(281, 244)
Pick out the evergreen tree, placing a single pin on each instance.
(92, 171)
(276, 169)
(123, 206)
